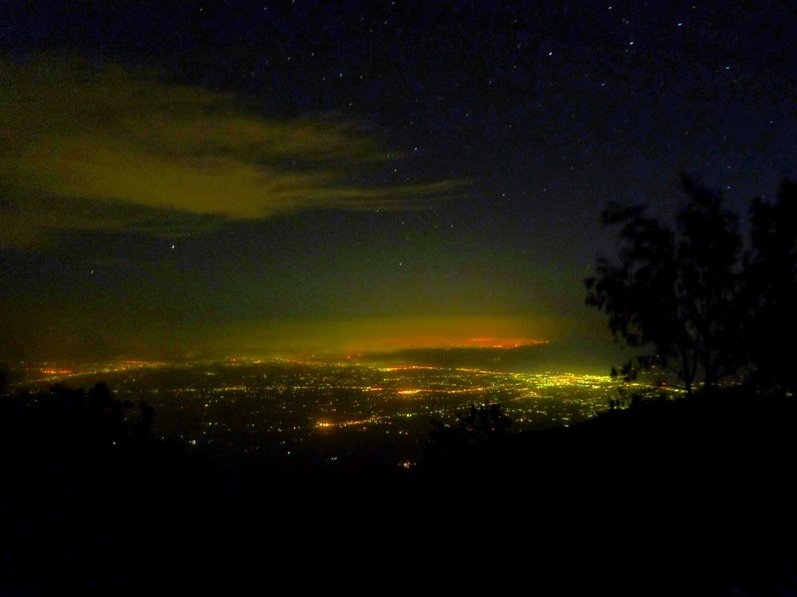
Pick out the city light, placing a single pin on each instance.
(332, 409)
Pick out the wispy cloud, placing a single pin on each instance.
(86, 146)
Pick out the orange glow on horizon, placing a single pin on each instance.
(353, 337)
(421, 342)
(56, 371)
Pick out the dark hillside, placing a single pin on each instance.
(693, 493)
(686, 497)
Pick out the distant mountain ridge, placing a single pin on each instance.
(531, 358)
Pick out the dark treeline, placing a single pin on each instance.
(698, 300)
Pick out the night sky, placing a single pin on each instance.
(219, 178)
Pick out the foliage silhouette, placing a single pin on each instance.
(3, 379)
(673, 289)
(771, 290)
(476, 424)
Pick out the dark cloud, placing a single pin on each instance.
(89, 147)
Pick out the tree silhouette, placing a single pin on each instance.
(770, 290)
(487, 421)
(672, 291)
(478, 423)
(3, 379)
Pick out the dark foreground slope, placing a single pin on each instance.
(691, 497)
(687, 497)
